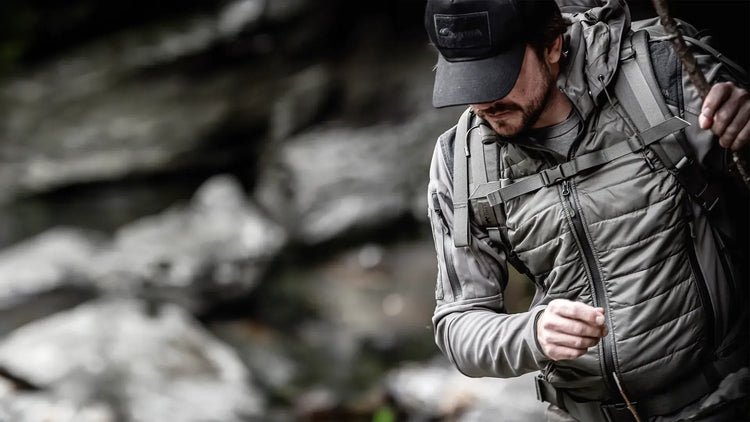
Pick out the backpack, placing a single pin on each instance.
(637, 89)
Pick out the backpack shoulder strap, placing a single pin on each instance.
(637, 89)
(461, 181)
(475, 164)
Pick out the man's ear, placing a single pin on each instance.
(554, 51)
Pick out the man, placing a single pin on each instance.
(640, 311)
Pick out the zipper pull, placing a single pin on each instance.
(565, 188)
(566, 194)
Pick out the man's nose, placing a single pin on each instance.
(483, 106)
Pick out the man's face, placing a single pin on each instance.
(521, 108)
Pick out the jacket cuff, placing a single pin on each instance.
(536, 349)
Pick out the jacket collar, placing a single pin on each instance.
(593, 51)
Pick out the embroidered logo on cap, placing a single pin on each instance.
(470, 30)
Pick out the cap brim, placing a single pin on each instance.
(477, 81)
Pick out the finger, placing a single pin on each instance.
(705, 122)
(567, 340)
(731, 135)
(574, 327)
(563, 353)
(715, 97)
(726, 112)
(743, 139)
(577, 310)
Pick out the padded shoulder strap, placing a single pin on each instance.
(638, 91)
(461, 182)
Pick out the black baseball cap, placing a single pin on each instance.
(482, 45)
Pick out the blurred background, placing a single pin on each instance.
(216, 211)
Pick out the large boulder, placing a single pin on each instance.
(215, 248)
(34, 406)
(52, 259)
(329, 183)
(89, 115)
(45, 274)
(152, 366)
(212, 250)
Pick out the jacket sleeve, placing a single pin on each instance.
(471, 324)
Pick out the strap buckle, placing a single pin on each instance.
(552, 176)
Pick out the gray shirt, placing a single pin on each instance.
(559, 137)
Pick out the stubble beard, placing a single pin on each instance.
(529, 114)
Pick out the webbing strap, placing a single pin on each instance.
(498, 195)
(461, 155)
(633, 90)
(477, 166)
(638, 92)
(636, 89)
(483, 167)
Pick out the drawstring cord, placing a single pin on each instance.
(629, 405)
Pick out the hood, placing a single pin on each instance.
(593, 44)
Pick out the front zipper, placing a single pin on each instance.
(571, 205)
(573, 209)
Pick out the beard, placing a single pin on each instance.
(530, 112)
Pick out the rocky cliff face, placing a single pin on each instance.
(216, 211)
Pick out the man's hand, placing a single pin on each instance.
(566, 329)
(726, 111)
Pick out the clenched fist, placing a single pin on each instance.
(566, 329)
(726, 111)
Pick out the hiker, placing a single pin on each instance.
(588, 161)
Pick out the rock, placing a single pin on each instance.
(49, 260)
(263, 350)
(348, 319)
(108, 136)
(304, 100)
(212, 250)
(23, 406)
(331, 182)
(92, 116)
(438, 390)
(147, 368)
(378, 292)
(44, 275)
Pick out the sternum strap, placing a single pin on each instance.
(496, 194)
